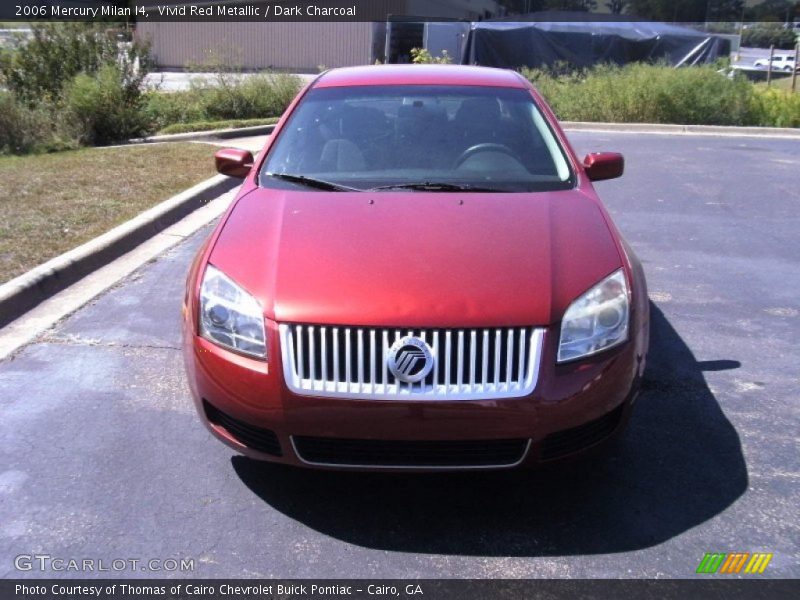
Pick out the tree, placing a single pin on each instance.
(781, 11)
(571, 5)
(616, 6)
(765, 35)
(526, 6)
(669, 10)
(724, 10)
(37, 68)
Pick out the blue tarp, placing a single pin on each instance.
(531, 43)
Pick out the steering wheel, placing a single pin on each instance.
(485, 147)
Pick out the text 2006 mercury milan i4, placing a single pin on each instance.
(416, 274)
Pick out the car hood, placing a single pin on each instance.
(416, 259)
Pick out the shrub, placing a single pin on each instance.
(226, 97)
(73, 82)
(164, 109)
(105, 107)
(232, 96)
(37, 69)
(776, 108)
(22, 129)
(642, 93)
(421, 56)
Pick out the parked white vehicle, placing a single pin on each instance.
(780, 62)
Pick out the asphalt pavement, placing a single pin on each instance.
(102, 456)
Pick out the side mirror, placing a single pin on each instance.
(604, 165)
(234, 162)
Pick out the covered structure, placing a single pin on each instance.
(532, 43)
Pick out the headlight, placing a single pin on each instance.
(229, 316)
(597, 320)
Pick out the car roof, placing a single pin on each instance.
(427, 74)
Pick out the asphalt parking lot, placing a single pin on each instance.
(103, 457)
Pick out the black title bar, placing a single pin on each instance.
(685, 11)
(359, 589)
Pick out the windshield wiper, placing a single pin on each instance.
(315, 183)
(434, 186)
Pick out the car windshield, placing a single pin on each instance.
(432, 138)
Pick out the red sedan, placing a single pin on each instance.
(416, 274)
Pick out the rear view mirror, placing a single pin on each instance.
(604, 165)
(234, 162)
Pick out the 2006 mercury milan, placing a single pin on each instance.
(416, 274)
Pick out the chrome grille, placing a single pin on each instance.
(468, 364)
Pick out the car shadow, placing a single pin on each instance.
(678, 464)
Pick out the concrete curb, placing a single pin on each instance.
(29, 289)
(656, 128)
(212, 134)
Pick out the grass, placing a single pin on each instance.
(209, 125)
(224, 98)
(776, 107)
(642, 93)
(52, 203)
(781, 83)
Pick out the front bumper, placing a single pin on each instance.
(573, 408)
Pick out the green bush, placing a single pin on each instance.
(642, 93)
(22, 129)
(252, 97)
(224, 98)
(71, 83)
(37, 69)
(104, 107)
(776, 108)
(168, 108)
(769, 34)
(421, 56)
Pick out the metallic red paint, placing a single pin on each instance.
(420, 75)
(234, 162)
(496, 259)
(604, 165)
(493, 260)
